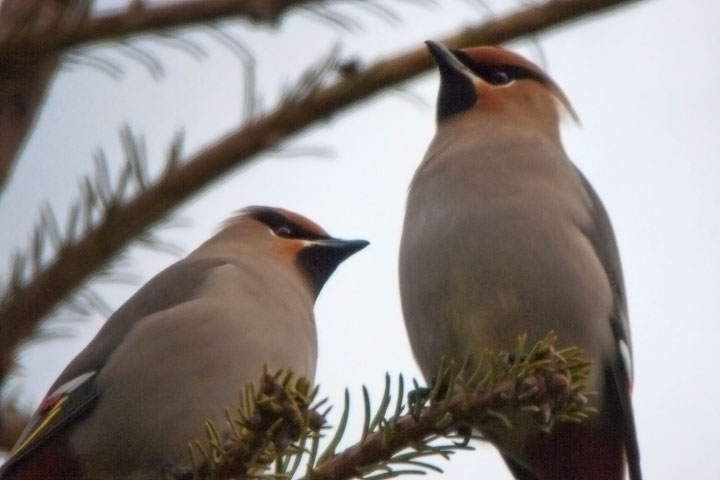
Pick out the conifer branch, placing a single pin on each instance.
(24, 78)
(541, 386)
(275, 430)
(35, 34)
(271, 424)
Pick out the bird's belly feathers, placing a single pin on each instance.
(477, 278)
(548, 277)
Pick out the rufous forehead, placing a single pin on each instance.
(486, 55)
(303, 222)
(496, 56)
(274, 217)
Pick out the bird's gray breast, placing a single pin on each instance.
(493, 247)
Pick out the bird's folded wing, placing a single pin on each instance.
(56, 411)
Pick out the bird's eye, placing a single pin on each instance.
(498, 77)
(283, 231)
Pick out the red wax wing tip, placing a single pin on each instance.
(49, 402)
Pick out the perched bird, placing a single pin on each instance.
(179, 350)
(502, 236)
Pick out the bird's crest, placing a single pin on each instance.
(483, 57)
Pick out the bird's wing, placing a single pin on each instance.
(76, 391)
(619, 370)
(603, 239)
(176, 284)
(60, 407)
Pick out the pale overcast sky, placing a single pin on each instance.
(644, 81)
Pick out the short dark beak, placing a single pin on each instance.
(442, 55)
(320, 259)
(343, 248)
(457, 89)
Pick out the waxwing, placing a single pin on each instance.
(504, 236)
(179, 350)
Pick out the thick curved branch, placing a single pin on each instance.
(75, 263)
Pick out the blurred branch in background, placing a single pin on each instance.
(34, 35)
(35, 289)
(25, 76)
(139, 18)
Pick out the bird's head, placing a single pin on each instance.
(494, 82)
(296, 240)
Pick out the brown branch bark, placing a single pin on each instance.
(138, 19)
(463, 408)
(74, 264)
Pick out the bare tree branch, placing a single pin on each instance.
(21, 314)
(138, 18)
